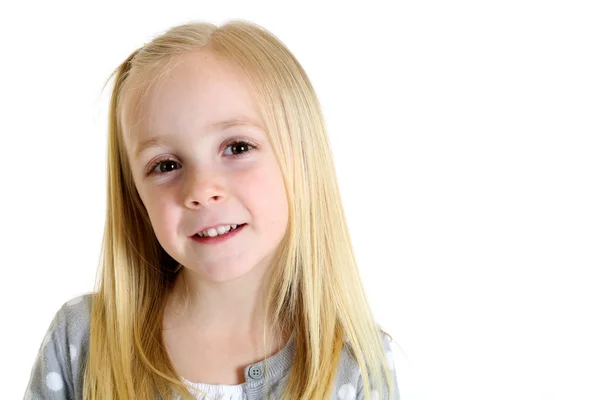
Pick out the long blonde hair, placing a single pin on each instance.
(316, 290)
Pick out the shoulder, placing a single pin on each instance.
(60, 363)
(71, 324)
(348, 384)
(76, 312)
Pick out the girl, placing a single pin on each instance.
(227, 269)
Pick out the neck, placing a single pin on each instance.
(221, 310)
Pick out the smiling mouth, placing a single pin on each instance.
(221, 231)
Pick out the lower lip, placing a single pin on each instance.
(219, 238)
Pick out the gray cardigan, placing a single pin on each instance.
(59, 366)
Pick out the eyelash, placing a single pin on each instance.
(248, 144)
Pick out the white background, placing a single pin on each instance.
(466, 138)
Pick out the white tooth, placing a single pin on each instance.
(212, 232)
(222, 229)
(233, 226)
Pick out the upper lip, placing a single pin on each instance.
(216, 226)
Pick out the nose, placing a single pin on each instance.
(202, 189)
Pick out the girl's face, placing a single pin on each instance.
(201, 160)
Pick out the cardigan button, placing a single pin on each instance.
(256, 372)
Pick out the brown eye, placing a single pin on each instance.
(167, 166)
(164, 166)
(238, 148)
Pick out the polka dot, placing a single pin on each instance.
(74, 301)
(73, 352)
(390, 359)
(347, 392)
(54, 381)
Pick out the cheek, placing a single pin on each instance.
(159, 211)
(264, 193)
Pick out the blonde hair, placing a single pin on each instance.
(316, 289)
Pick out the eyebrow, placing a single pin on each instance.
(221, 125)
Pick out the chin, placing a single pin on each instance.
(221, 274)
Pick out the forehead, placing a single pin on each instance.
(199, 91)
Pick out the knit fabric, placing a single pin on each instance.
(57, 373)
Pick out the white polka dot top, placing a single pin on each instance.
(57, 373)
